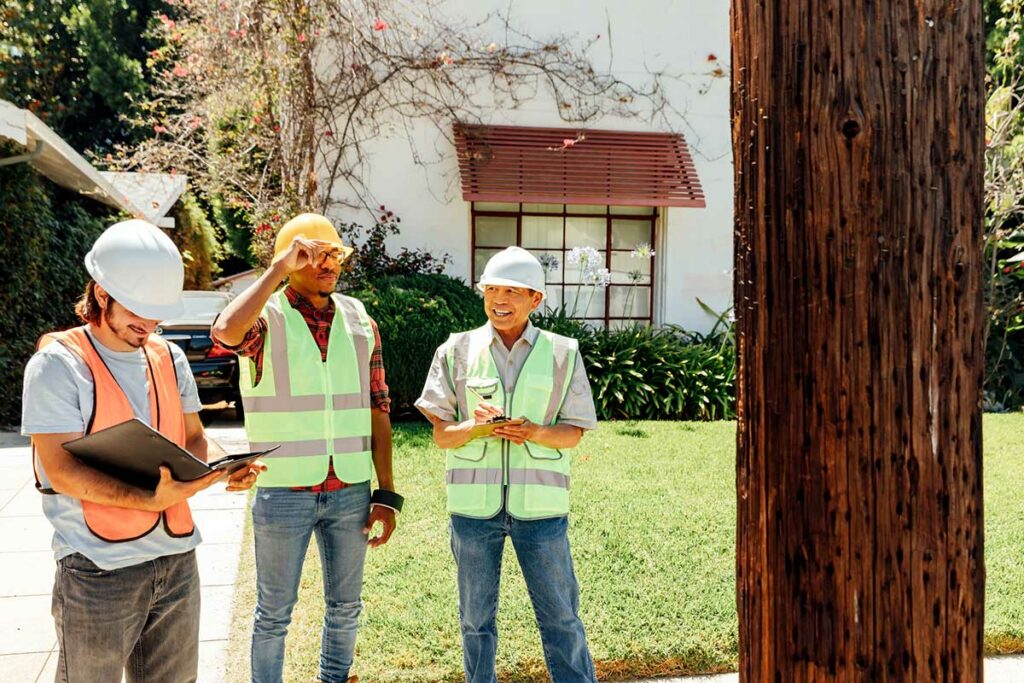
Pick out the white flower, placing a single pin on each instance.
(642, 250)
(584, 257)
(635, 276)
(598, 277)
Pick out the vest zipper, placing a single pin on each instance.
(329, 394)
(506, 450)
(506, 464)
(505, 455)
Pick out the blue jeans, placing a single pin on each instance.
(141, 620)
(283, 521)
(542, 548)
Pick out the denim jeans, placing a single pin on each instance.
(141, 620)
(283, 520)
(542, 548)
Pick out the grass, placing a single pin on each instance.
(652, 531)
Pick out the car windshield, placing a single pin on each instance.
(203, 306)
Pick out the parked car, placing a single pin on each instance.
(215, 368)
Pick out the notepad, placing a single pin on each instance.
(133, 452)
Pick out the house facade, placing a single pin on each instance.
(614, 184)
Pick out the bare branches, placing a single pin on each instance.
(270, 103)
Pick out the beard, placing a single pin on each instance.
(121, 329)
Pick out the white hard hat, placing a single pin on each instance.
(513, 267)
(139, 266)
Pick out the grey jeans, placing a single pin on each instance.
(142, 620)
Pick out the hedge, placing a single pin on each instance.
(46, 233)
(415, 314)
(645, 373)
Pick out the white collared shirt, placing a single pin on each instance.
(438, 397)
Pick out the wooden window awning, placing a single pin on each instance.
(576, 166)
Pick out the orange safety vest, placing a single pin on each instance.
(111, 407)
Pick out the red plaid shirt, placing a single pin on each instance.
(319, 321)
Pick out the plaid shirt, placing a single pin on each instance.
(319, 321)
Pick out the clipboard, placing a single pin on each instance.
(486, 430)
(133, 452)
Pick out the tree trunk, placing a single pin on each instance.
(858, 139)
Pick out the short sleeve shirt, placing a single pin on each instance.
(57, 397)
(439, 399)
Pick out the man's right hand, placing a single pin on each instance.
(170, 491)
(299, 254)
(485, 412)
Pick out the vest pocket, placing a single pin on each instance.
(469, 452)
(118, 525)
(542, 453)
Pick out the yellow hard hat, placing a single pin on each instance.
(312, 226)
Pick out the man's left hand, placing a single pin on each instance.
(384, 515)
(243, 479)
(519, 432)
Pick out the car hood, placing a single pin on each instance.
(194, 321)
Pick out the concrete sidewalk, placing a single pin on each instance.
(27, 639)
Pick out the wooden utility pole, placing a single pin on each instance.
(858, 139)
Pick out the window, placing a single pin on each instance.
(555, 229)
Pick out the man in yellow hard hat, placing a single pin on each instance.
(312, 379)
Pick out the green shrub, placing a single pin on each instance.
(372, 261)
(415, 315)
(197, 240)
(644, 373)
(46, 234)
(560, 322)
(1004, 342)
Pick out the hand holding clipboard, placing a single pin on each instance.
(134, 452)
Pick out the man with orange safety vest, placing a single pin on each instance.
(126, 591)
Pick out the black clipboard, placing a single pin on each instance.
(133, 452)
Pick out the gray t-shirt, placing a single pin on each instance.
(439, 398)
(57, 397)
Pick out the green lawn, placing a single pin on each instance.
(653, 526)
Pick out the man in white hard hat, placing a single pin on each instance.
(126, 591)
(506, 401)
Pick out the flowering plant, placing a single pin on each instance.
(592, 274)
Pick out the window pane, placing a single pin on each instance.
(628, 234)
(543, 208)
(632, 210)
(480, 259)
(542, 232)
(589, 304)
(631, 302)
(586, 232)
(495, 231)
(622, 324)
(553, 298)
(599, 209)
(495, 206)
(626, 270)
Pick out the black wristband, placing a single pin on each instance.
(387, 498)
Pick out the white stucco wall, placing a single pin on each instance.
(675, 36)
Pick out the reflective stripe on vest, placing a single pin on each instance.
(485, 474)
(111, 407)
(315, 410)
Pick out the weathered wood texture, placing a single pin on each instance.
(858, 139)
